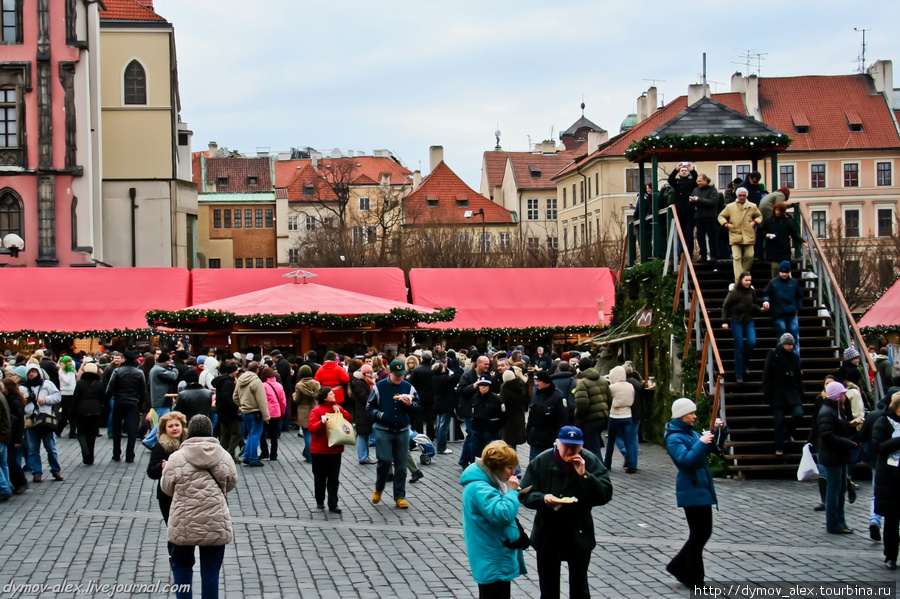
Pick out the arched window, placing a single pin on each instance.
(10, 214)
(135, 83)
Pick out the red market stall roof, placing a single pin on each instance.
(306, 297)
(88, 299)
(886, 311)
(516, 298)
(208, 285)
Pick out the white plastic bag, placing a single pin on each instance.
(807, 469)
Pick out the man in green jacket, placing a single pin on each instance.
(565, 483)
(592, 401)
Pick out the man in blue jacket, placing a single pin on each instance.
(783, 298)
(391, 406)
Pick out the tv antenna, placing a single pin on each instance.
(748, 56)
(861, 59)
(653, 81)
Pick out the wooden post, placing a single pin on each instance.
(702, 363)
(642, 216)
(774, 173)
(678, 283)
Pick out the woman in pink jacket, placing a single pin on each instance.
(277, 410)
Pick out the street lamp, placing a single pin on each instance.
(12, 245)
(470, 214)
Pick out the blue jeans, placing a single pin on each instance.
(835, 489)
(391, 447)
(534, 451)
(621, 426)
(151, 439)
(34, 441)
(744, 334)
(873, 517)
(442, 431)
(466, 457)
(256, 424)
(5, 486)
(593, 440)
(210, 564)
(307, 439)
(778, 415)
(362, 447)
(622, 444)
(788, 324)
(480, 441)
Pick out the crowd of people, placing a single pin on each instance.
(231, 410)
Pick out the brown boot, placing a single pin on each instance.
(58, 476)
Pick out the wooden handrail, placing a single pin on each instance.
(693, 276)
(678, 284)
(624, 254)
(715, 407)
(687, 338)
(837, 292)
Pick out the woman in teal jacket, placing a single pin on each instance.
(490, 504)
(694, 489)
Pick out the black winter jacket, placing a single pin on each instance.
(488, 413)
(779, 247)
(17, 419)
(127, 385)
(443, 387)
(834, 435)
(546, 415)
(887, 477)
(89, 394)
(709, 202)
(682, 188)
(225, 406)
(740, 304)
(782, 379)
(192, 400)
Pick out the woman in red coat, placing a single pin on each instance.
(326, 461)
(331, 374)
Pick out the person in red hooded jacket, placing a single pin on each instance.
(326, 461)
(332, 375)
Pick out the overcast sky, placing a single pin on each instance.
(407, 75)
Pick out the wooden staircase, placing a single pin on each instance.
(751, 444)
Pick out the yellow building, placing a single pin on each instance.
(149, 203)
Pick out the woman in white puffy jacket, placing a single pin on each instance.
(620, 421)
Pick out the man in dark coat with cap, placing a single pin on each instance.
(563, 528)
(783, 298)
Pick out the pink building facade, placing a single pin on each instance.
(46, 129)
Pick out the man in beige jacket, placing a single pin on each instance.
(741, 219)
(251, 397)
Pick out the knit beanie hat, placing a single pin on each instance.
(786, 339)
(508, 375)
(682, 407)
(834, 389)
(850, 353)
(305, 371)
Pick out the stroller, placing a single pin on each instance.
(424, 443)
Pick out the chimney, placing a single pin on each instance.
(697, 91)
(737, 83)
(314, 157)
(751, 97)
(642, 112)
(350, 154)
(882, 74)
(213, 149)
(652, 101)
(595, 138)
(436, 156)
(385, 179)
(417, 179)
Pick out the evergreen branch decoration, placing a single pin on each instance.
(643, 146)
(529, 331)
(89, 334)
(397, 316)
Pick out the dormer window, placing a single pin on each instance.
(856, 127)
(535, 171)
(854, 122)
(308, 190)
(801, 125)
(221, 181)
(462, 202)
(252, 181)
(431, 202)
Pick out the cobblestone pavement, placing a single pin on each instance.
(103, 523)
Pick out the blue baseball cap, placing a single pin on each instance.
(571, 435)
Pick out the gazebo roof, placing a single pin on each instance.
(305, 297)
(708, 130)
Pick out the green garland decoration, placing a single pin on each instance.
(641, 147)
(63, 335)
(881, 330)
(397, 316)
(529, 331)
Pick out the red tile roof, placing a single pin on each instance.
(445, 187)
(128, 10)
(237, 171)
(495, 163)
(547, 165)
(367, 170)
(196, 167)
(617, 145)
(305, 176)
(828, 103)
